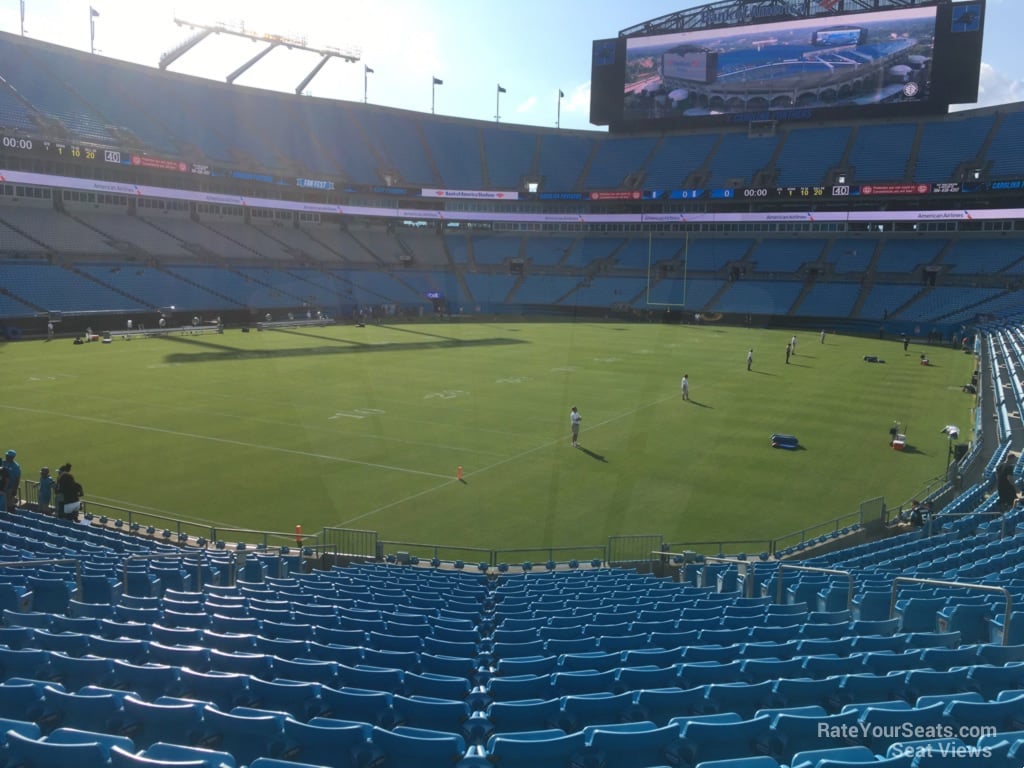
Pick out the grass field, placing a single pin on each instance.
(366, 427)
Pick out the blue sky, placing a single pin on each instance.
(533, 48)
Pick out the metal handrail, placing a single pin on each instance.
(961, 584)
(834, 571)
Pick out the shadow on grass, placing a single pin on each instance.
(593, 455)
(762, 373)
(223, 352)
(699, 404)
(911, 449)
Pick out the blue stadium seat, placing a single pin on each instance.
(26, 662)
(584, 681)
(868, 687)
(882, 663)
(245, 736)
(841, 756)
(520, 687)
(1005, 714)
(744, 699)
(918, 614)
(431, 713)
(660, 705)
(883, 726)
(708, 739)
(550, 748)
(324, 741)
(648, 676)
(359, 705)
(790, 734)
(524, 715)
(74, 672)
(580, 711)
(632, 744)
(757, 670)
(800, 692)
(705, 672)
(526, 665)
(163, 719)
(362, 676)
(165, 755)
(193, 656)
(43, 753)
(241, 662)
(169, 635)
(404, 746)
(926, 682)
(125, 648)
(17, 638)
(224, 689)
(88, 710)
(435, 685)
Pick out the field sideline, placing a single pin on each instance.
(366, 428)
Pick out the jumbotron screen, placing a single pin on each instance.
(877, 63)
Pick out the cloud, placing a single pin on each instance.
(577, 99)
(527, 105)
(995, 87)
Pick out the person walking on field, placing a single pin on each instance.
(789, 351)
(574, 425)
(750, 358)
(684, 386)
(792, 345)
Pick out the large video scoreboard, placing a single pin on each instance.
(906, 60)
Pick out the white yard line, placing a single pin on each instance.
(225, 441)
(489, 467)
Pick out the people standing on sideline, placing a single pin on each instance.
(684, 387)
(45, 491)
(750, 358)
(789, 351)
(69, 494)
(822, 335)
(906, 342)
(792, 345)
(49, 330)
(13, 479)
(574, 425)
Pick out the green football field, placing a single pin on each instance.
(367, 428)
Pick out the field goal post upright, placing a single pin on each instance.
(681, 304)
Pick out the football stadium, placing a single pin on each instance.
(354, 436)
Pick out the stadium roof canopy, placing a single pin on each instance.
(736, 12)
(202, 31)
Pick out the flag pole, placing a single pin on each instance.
(558, 115)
